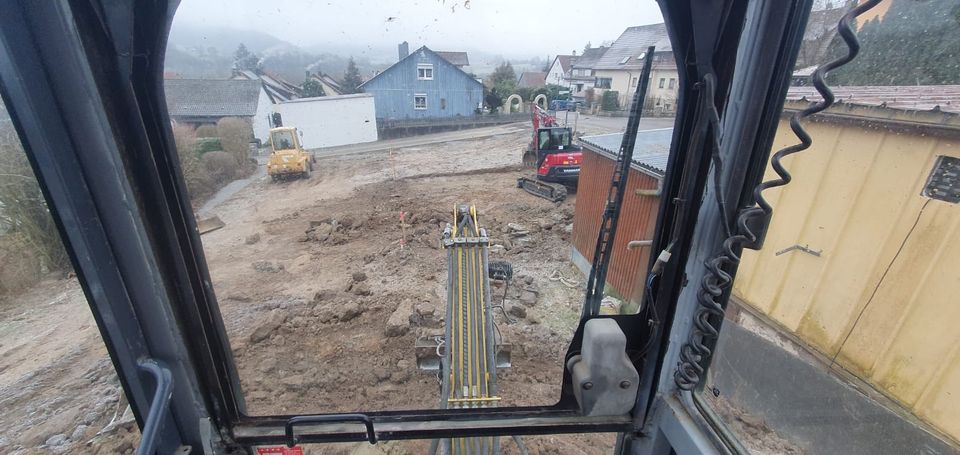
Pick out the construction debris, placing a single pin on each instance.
(205, 225)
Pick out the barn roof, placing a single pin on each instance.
(650, 152)
(212, 97)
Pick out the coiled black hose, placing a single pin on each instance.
(690, 371)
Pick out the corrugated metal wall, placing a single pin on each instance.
(450, 93)
(638, 219)
(883, 298)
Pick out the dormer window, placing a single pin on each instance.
(425, 71)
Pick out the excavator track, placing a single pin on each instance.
(552, 191)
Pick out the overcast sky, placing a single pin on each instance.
(514, 28)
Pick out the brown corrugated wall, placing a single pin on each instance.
(638, 219)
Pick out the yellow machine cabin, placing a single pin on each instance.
(288, 158)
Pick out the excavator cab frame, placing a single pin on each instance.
(83, 83)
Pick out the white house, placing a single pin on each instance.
(620, 66)
(559, 71)
(581, 76)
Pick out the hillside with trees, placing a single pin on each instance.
(916, 43)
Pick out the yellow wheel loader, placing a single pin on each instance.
(288, 158)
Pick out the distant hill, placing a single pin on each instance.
(224, 40)
(207, 52)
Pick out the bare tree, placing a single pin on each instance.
(29, 235)
(235, 136)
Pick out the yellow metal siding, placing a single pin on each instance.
(883, 299)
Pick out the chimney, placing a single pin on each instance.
(403, 49)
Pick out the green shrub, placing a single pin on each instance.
(610, 101)
(208, 144)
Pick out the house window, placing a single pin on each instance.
(420, 101)
(633, 82)
(579, 88)
(603, 82)
(625, 60)
(672, 82)
(425, 72)
(662, 81)
(443, 103)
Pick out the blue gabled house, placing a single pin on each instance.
(424, 84)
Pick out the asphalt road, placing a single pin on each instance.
(591, 124)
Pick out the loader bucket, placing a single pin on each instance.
(212, 223)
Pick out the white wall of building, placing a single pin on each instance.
(261, 121)
(329, 121)
(555, 75)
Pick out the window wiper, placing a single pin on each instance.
(618, 186)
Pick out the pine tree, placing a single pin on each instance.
(351, 78)
(311, 88)
(243, 59)
(241, 53)
(503, 73)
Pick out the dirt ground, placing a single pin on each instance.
(323, 294)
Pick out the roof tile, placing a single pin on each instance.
(212, 97)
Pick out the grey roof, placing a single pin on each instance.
(532, 79)
(212, 97)
(633, 42)
(329, 80)
(589, 57)
(329, 98)
(454, 57)
(650, 152)
(565, 62)
(277, 88)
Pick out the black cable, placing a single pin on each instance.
(503, 301)
(715, 282)
(713, 122)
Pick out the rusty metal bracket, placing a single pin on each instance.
(805, 248)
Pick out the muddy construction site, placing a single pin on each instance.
(324, 291)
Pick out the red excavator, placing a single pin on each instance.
(555, 156)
